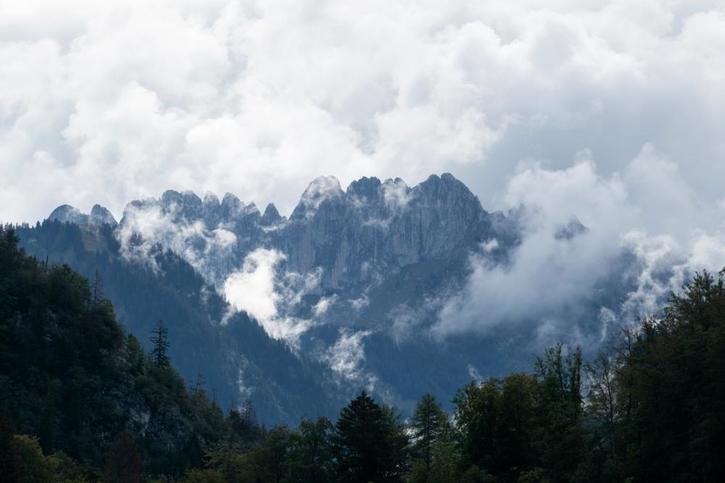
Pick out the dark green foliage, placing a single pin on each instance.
(287, 387)
(429, 427)
(498, 424)
(558, 432)
(370, 443)
(72, 377)
(160, 345)
(671, 401)
(312, 452)
(81, 400)
(524, 424)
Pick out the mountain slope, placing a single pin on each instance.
(343, 294)
(237, 360)
(71, 375)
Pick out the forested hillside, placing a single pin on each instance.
(237, 359)
(82, 401)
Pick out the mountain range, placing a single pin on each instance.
(298, 313)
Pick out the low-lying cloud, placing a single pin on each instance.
(270, 295)
(647, 213)
(346, 358)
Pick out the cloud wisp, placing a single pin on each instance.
(269, 295)
(646, 213)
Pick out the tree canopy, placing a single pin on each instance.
(80, 400)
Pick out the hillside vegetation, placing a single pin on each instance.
(80, 400)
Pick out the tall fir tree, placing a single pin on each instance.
(429, 426)
(370, 443)
(160, 341)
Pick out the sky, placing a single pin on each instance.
(105, 102)
(611, 113)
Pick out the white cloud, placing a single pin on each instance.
(648, 211)
(269, 296)
(347, 356)
(147, 224)
(104, 104)
(252, 288)
(112, 103)
(323, 305)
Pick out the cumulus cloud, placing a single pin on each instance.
(117, 102)
(647, 213)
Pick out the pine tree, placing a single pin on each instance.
(160, 341)
(97, 294)
(370, 443)
(429, 425)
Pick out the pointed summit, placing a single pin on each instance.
(321, 189)
(271, 216)
(101, 216)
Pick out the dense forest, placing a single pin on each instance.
(286, 386)
(80, 400)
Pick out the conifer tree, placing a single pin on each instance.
(370, 443)
(429, 425)
(160, 341)
(97, 294)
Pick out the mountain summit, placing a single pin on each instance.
(351, 285)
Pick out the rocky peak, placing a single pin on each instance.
(211, 209)
(395, 193)
(100, 215)
(231, 206)
(322, 189)
(184, 205)
(366, 188)
(210, 200)
(570, 230)
(271, 216)
(69, 214)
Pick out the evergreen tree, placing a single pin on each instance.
(370, 443)
(559, 436)
(497, 424)
(312, 452)
(97, 292)
(160, 341)
(429, 425)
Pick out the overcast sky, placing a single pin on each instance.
(108, 104)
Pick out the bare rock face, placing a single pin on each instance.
(271, 216)
(363, 265)
(352, 240)
(100, 216)
(69, 214)
(352, 237)
(375, 227)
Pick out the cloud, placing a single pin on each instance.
(346, 357)
(252, 288)
(105, 105)
(270, 295)
(642, 231)
(149, 224)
